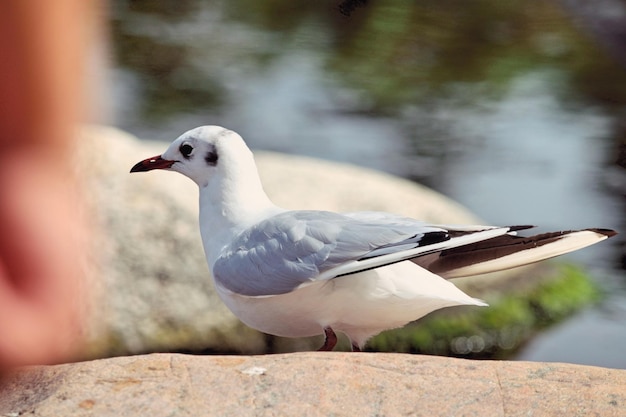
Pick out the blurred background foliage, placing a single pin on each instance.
(393, 53)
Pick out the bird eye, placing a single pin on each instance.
(186, 149)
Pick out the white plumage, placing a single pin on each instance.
(303, 273)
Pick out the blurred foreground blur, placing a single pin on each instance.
(42, 235)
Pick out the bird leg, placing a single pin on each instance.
(330, 340)
(355, 347)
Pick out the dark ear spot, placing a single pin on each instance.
(211, 156)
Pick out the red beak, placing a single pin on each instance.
(156, 162)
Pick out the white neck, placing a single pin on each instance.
(229, 203)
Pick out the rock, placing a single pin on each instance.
(311, 384)
(149, 267)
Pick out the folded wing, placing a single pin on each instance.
(297, 248)
(508, 251)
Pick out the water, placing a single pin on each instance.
(513, 129)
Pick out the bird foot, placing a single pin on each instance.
(330, 340)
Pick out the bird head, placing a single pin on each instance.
(199, 154)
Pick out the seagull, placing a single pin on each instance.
(299, 273)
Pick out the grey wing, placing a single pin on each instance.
(293, 248)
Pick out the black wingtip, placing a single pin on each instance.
(605, 232)
(520, 227)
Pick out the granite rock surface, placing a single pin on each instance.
(312, 384)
